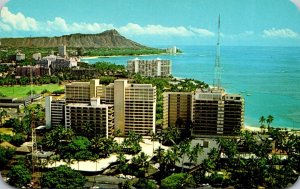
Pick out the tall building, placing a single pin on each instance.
(135, 107)
(100, 117)
(132, 106)
(210, 112)
(55, 112)
(150, 68)
(217, 113)
(171, 50)
(177, 109)
(62, 51)
(82, 92)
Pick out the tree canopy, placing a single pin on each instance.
(62, 177)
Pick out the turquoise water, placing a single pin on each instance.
(270, 77)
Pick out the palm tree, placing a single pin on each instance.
(262, 128)
(160, 154)
(170, 160)
(153, 139)
(141, 162)
(194, 153)
(269, 121)
(262, 120)
(184, 148)
(122, 166)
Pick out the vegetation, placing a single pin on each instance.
(6, 154)
(269, 159)
(19, 175)
(62, 177)
(251, 162)
(121, 51)
(177, 181)
(21, 91)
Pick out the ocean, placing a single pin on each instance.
(267, 77)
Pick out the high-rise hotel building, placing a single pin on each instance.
(123, 106)
(82, 92)
(134, 104)
(177, 109)
(150, 68)
(99, 117)
(212, 112)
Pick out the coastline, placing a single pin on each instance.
(111, 56)
(256, 129)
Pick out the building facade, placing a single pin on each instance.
(20, 56)
(55, 112)
(150, 68)
(62, 51)
(82, 92)
(36, 71)
(99, 117)
(177, 109)
(135, 107)
(131, 106)
(212, 112)
(217, 113)
(57, 62)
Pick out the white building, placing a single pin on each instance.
(150, 68)
(20, 56)
(57, 62)
(37, 56)
(172, 50)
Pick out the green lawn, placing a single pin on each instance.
(7, 131)
(21, 91)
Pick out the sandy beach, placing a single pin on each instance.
(88, 57)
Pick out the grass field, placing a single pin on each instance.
(21, 91)
(7, 131)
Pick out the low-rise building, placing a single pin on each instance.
(36, 71)
(57, 62)
(37, 56)
(20, 56)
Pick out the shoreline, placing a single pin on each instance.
(254, 128)
(111, 56)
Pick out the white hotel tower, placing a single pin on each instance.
(150, 68)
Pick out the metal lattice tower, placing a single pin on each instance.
(34, 144)
(34, 152)
(217, 79)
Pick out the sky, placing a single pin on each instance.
(158, 22)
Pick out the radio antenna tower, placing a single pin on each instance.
(217, 79)
(34, 152)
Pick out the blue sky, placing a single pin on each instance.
(159, 22)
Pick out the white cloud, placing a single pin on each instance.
(280, 33)
(136, 29)
(17, 21)
(58, 25)
(202, 32)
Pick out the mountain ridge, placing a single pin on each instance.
(107, 39)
